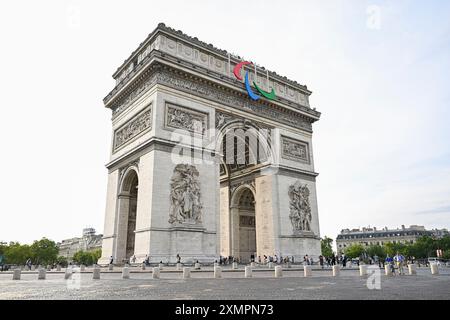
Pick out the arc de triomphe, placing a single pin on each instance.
(201, 164)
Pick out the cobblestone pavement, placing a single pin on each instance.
(233, 285)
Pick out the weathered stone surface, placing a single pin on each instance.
(96, 273)
(336, 270)
(156, 273)
(248, 272)
(278, 271)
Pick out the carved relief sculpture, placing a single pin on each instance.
(181, 118)
(186, 206)
(133, 128)
(294, 150)
(300, 207)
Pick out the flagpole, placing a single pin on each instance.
(256, 76)
(229, 65)
(268, 87)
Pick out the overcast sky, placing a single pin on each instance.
(379, 72)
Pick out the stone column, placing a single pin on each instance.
(336, 270)
(217, 272)
(307, 271)
(363, 270)
(110, 267)
(186, 273)
(58, 267)
(16, 274)
(155, 274)
(270, 265)
(178, 266)
(253, 264)
(235, 265)
(248, 271)
(278, 272)
(42, 273)
(33, 267)
(96, 273)
(412, 269)
(126, 273)
(387, 270)
(434, 268)
(82, 267)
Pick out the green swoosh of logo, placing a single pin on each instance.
(266, 94)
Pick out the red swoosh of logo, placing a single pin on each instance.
(237, 69)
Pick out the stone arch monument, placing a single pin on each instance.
(203, 166)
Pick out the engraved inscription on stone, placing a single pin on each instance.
(181, 118)
(294, 149)
(133, 128)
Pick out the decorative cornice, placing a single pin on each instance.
(162, 28)
(159, 73)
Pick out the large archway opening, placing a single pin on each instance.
(128, 210)
(244, 225)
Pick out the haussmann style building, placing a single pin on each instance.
(210, 155)
(373, 236)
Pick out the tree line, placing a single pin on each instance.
(42, 252)
(423, 248)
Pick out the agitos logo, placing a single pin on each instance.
(237, 73)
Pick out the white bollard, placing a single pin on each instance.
(434, 268)
(155, 273)
(58, 267)
(41, 274)
(387, 270)
(82, 267)
(125, 273)
(143, 266)
(248, 272)
(68, 273)
(16, 274)
(33, 267)
(216, 264)
(363, 270)
(96, 273)
(111, 267)
(270, 264)
(278, 272)
(336, 270)
(186, 273)
(412, 269)
(253, 264)
(178, 266)
(197, 266)
(235, 265)
(161, 266)
(307, 271)
(217, 272)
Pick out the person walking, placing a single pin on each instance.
(321, 261)
(399, 261)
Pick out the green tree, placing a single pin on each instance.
(44, 251)
(354, 251)
(15, 253)
(376, 250)
(326, 246)
(83, 257)
(96, 254)
(62, 261)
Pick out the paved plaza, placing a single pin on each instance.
(232, 285)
